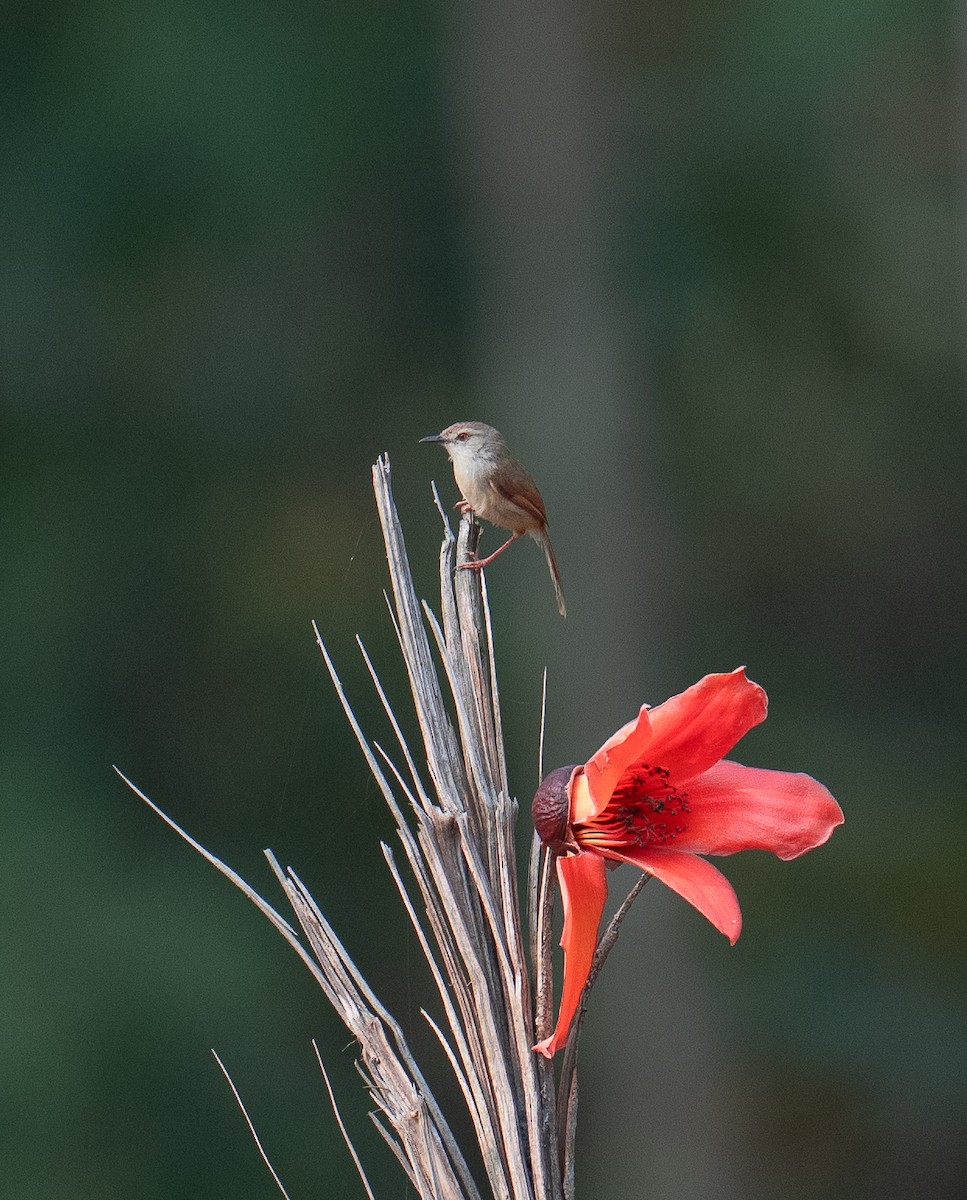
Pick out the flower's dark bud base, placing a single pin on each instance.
(551, 809)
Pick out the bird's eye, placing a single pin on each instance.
(462, 437)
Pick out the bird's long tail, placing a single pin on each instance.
(541, 537)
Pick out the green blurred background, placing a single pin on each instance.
(702, 264)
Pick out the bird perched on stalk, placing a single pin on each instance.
(496, 487)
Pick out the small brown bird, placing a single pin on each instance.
(496, 487)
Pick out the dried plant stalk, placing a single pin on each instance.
(466, 868)
(460, 890)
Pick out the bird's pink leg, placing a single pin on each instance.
(477, 564)
(464, 506)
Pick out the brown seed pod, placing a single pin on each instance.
(551, 810)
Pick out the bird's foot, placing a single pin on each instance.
(472, 564)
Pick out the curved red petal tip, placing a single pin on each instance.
(686, 734)
(606, 766)
(693, 730)
(584, 890)
(547, 1047)
(703, 886)
(732, 808)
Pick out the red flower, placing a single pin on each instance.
(658, 794)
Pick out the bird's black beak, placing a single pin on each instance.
(434, 437)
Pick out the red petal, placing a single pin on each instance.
(695, 880)
(732, 808)
(692, 731)
(686, 735)
(610, 762)
(584, 890)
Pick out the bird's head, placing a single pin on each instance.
(470, 441)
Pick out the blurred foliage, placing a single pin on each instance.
(235, 268)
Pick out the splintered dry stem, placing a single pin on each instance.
(460, 890)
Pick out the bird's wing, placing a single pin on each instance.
(526, 498)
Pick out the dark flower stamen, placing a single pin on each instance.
(645, 810)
